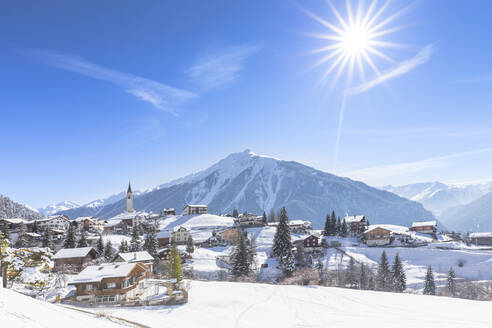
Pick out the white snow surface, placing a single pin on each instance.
(242, 305)
(196, 222)
(21, 311)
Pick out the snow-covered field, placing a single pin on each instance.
(228, 304)
(19, 311)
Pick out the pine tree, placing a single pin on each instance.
(301, 255)
(108, 251)
(338, 229)
(6, 230)
(22, 237)
(70, 239)
(363, 277)
(333, 224)
(35, 226)
(451, 282)
(174, 264)
(100, 246)
(287, 263)
(344, 229)
(151, 244)
(82, 241)
(190, 246)
(271, 216)
(430, 285)
(264, 218)
(282, 238)
(371, 284)
(135, 243)
(48, 239)
(240, 258)
(235, 213)
(383, 277)
(351, 275)
(399, 277)
(123, 248)
(327, 230)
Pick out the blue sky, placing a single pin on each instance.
(97, 92)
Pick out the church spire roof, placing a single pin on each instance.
(129, 188)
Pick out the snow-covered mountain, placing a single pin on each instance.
(438, 197)
(475, 216)
(54, 208)
(246, 181)
(11, 209)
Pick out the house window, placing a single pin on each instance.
(88, 287)
(109, 285)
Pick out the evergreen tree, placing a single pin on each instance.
(35, 227)
(22, 237)
(344, 229)
(151, 244)
(271, 216)
(48, 239)
(333, 224)
(287, 263)
(430, 285)
(190, 246)
(327, 230)
(108, 251)
(5, 230)
(282, 239)
(174, 264)
(235, 213)
(451, 282)
(82, 241)
(351, 274)
(363, 281)
(70, 239)
(371, 284)
(135, 242)
(399, 277)
(301, 255)
(264, 218)
(338, 229)
(240, 258)
(383, 277)
(123, 248)
(100, 246)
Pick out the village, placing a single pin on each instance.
(139, 258)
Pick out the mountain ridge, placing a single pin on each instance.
(256, 183)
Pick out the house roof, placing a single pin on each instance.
(390, 227)
(195, 205)
(17, 221)
(480, 235)
(129, 188)
(353, 218)
(83, 218)
(136, 256)
(424, 224)
(96, 273)
(66, 253)
(164, 234)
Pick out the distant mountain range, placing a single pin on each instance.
(462, 208)
(52, 209)
(11, 209)
(246, 181)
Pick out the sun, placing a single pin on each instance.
(356, 40)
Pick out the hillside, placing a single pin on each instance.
(11, 209)
(475, 216)
(438, 197)
(229, 304)
(255, 183)
(21, 311)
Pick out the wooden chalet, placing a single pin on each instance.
(74, 258)
(311, 241)
(480, 238)
(377, 236)
(428, 227)
(137, 257)
(195, 209)
(109, 282)
(356, 224)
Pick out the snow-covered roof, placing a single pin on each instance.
(128, 215)
(83, 218)
(481, 235)
(65, 253)
(391, 227)
(169, 209)
(164, 234)
(17, 221)
(196, 205)
(136, 256)
(96, 273)
(424, 224)
(33, 234)
(353, 218)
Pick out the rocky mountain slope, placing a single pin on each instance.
(246, 181)
(62, 206)
(11, 209)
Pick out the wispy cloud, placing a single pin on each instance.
(161, 96)
(404, 67)
(385, 172)
(223, 68)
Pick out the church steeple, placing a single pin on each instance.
(129, 199)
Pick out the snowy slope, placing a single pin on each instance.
(21, 311)
(475, 216)
(11, 209)
(247, 181)
(55, 208)
(241, 305)
(437, 196)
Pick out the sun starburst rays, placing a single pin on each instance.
(354, 39)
